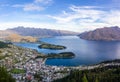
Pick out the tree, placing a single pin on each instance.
(96, 80)
(73, 80)
(84, 79)
(5, 76)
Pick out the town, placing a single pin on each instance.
(25, 65)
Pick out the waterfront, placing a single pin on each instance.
(87, 52)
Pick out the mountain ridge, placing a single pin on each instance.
(39, 32)
(104, 34)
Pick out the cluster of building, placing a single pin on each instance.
(35, 68)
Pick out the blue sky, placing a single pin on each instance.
(73, 15)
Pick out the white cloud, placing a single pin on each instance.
(43, 1)
(79, 13)
(39, 1)
(112, 18)
(31, 7)
(77, 18)
(88, 17)
(36, 5)
(72, 7)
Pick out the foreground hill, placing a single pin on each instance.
(38, 32)
(106, 71)
(104, 74)
(106, 34)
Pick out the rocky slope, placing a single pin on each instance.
(105, 34)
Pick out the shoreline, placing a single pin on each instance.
(33, 66)
(65, 58)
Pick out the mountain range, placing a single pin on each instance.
(23, 34)
(105, 34)
(39, 32)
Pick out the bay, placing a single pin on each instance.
(87, 52)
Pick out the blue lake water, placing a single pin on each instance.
(87, 52)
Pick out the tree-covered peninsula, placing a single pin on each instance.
(51, 46)
(58, 55)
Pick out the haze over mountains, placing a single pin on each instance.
(38, 32)
(106, 34)
(20, 33)
(30, 34)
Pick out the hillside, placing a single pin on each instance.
(15, 37)
(38, 32)
(4, 34)
(105, 34)
(19, 38)
(104, 74)
(3, 45)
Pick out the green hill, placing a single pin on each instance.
(3, 45)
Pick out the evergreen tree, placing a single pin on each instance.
(84, 79)
(73, 80)
(5, 76)
(96, 80)
(104, 74)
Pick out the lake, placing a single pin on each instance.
(87, 52)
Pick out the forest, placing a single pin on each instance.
(104, 74)
(5, 76)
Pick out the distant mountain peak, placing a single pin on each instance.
(106, 33)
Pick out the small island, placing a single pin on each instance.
(51, 46)
(58, 55)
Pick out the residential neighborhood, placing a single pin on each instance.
(26, 66)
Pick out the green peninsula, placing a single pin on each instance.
(51, 46)
(58, 55)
